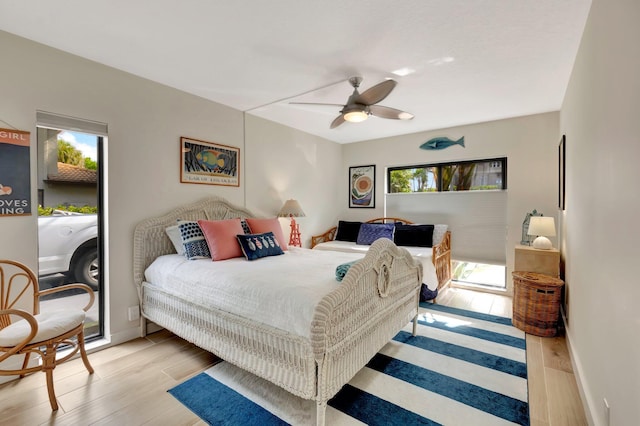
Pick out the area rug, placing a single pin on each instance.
(463, 368)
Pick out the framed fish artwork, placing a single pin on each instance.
(209, 163)
(362, 187)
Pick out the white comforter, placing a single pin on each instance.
(423, 255)
(280, 291)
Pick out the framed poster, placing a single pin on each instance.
(362, 186)
(15, 174)
(209, 163)
(562, 180)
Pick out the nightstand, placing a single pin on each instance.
(545, 262)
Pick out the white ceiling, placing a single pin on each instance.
(474, 60)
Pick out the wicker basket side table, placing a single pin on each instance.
(536, 303)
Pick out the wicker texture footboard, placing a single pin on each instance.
(378, 296)
(282, 358)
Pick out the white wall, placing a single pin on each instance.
(600, 223)
(529, 143)
(145, 122)
(286, 163)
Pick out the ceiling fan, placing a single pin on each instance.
(360, 106)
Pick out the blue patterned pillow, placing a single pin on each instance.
(255, 246)
(369, 232)
(195, 245)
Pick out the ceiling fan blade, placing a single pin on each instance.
(392, 113)
(338, 121)
(377, 93)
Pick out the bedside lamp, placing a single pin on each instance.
(291, 208)
(542, 227)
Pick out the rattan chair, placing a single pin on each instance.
(25, 331)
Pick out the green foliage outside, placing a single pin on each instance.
(454, 178)
(400, 180)
(48, 211)
(90, 164)
(68, 154)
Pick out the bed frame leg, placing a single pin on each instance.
(321, 409)
(415, 326)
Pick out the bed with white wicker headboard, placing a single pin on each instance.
(377, 297)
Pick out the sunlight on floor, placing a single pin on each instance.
(479, 274)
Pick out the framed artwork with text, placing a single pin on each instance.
(209, 163)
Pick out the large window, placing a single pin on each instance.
(477, 175)
(70, 213)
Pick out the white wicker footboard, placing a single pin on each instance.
(377, 298)
(282, 358)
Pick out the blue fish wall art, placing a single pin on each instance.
(441, 143)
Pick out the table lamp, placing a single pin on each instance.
(542, 227)
(291, 208)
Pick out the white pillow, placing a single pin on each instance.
(176, 239)
(438, 233)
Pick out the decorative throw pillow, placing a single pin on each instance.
(369, 232)
(173, 232)
(348, 231)
(245, 226)
(195, 245)
(413, 235)
(221, 237)
(260, 226)
(255, 246)
(438, 233)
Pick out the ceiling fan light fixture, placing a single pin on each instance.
(355, 114)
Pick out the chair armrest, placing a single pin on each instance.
(323, 238)
(34, 330)
(65, 287)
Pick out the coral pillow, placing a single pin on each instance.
(221, 237)
(260, 226)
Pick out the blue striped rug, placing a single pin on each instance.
(463, 368)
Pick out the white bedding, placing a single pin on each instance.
(422, 254)
(248, 288)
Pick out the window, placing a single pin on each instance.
(70, 199)
(476, 175)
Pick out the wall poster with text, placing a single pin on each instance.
(15, 174)
(209, 163)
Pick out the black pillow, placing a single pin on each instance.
(413, 235)
(348, 231)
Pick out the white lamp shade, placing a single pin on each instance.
(355, 114)
(291, 208)
(542, 227)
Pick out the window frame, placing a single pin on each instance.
(440, 166)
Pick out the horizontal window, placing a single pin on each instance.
(476, 175)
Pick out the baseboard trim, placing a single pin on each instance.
(587, 401)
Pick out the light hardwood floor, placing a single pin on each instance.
(130, 383)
